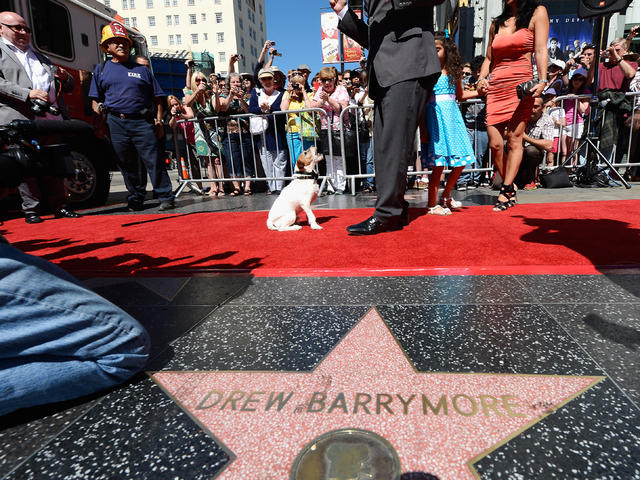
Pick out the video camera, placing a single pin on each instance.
(22, 155)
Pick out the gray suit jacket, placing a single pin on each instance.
(400, 41)
(15, 85)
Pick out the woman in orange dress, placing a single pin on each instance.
(521, 30)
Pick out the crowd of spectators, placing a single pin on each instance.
(227, 148)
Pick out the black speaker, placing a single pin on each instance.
(596, 8)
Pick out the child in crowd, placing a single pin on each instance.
(574, 125)
(449, 144)
(557, 114)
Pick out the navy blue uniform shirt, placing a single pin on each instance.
(125, 87)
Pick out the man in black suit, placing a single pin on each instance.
(402, 68)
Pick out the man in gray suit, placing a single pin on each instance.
(402, 68)
(27, 76)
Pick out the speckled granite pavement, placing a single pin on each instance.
(462, 331)
(521, 326)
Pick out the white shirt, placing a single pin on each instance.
(35, 69)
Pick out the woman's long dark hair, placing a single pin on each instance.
(525, 12)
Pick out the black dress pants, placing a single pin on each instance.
(397, 113)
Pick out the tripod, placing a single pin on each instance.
(588, 140)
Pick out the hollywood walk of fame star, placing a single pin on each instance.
(439, 423)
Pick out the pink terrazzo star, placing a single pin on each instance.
(439, 423)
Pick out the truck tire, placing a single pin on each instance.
(92, 181)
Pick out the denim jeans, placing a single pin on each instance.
(366, 161)
(133, 137)
(297, 144)
(239, 154)
(59, 340)
(480, 143)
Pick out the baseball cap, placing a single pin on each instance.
(580, 71)
(304, 66)
(558, 63)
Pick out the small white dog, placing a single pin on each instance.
(297, 196)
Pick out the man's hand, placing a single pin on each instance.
(337, 5)
(324, 96)
(267, 44)
(234, 58)
(38, 95)
(61, 74)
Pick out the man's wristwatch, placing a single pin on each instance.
(544, 80)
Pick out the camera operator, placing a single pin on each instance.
(31, 86)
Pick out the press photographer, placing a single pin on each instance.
(31, 87)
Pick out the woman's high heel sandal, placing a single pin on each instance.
(449, 203)
(509, 193)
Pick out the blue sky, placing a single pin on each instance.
(295, 27)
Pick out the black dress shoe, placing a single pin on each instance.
(404, 216)
(65, 213)
(32, 218)
(374, 225)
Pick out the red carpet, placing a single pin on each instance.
(572, 238)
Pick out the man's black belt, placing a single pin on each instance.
(131, 116)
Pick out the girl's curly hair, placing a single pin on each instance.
(452, 59)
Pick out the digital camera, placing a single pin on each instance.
(40, 108)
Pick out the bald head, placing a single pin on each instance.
(14, 29)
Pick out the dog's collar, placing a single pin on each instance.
(313, 175)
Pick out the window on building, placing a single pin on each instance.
(178, 39)
(220, 36)
(240, 23)
(134, 22)
(174, 3)
(152, 22)
(218, 17)
(192, 19)
(242, 42)
(107, 3)
(169, 20)
(260, 9)
(203, 17)
(218, 2)
(191, 2)
(149, 3)
(154, 41)
(126, 21)
(194, 38)
(206, 36)
(261, 29)
(223, 73)
(223, 56)
(171, 40)
(167, 3)
(125, 4)
(132, 4)
(239, 4)
(176, 20)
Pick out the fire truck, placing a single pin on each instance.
(68, 32)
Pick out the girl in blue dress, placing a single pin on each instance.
(449, 144)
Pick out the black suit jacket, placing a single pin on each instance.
(399, 40)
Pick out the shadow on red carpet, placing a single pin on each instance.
(571, 238)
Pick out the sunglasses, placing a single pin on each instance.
(326, 79)
(18, 28)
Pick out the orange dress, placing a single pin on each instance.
(511, 67)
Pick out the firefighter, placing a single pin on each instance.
(125, 92)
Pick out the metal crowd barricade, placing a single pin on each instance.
(220, 126)
(359, 174)
(588, 132)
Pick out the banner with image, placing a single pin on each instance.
(568, 34)
(330, 37)
(352, 49)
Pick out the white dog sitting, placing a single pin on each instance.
(297, 196)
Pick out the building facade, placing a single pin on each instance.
(470, 20)
(217, 27)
